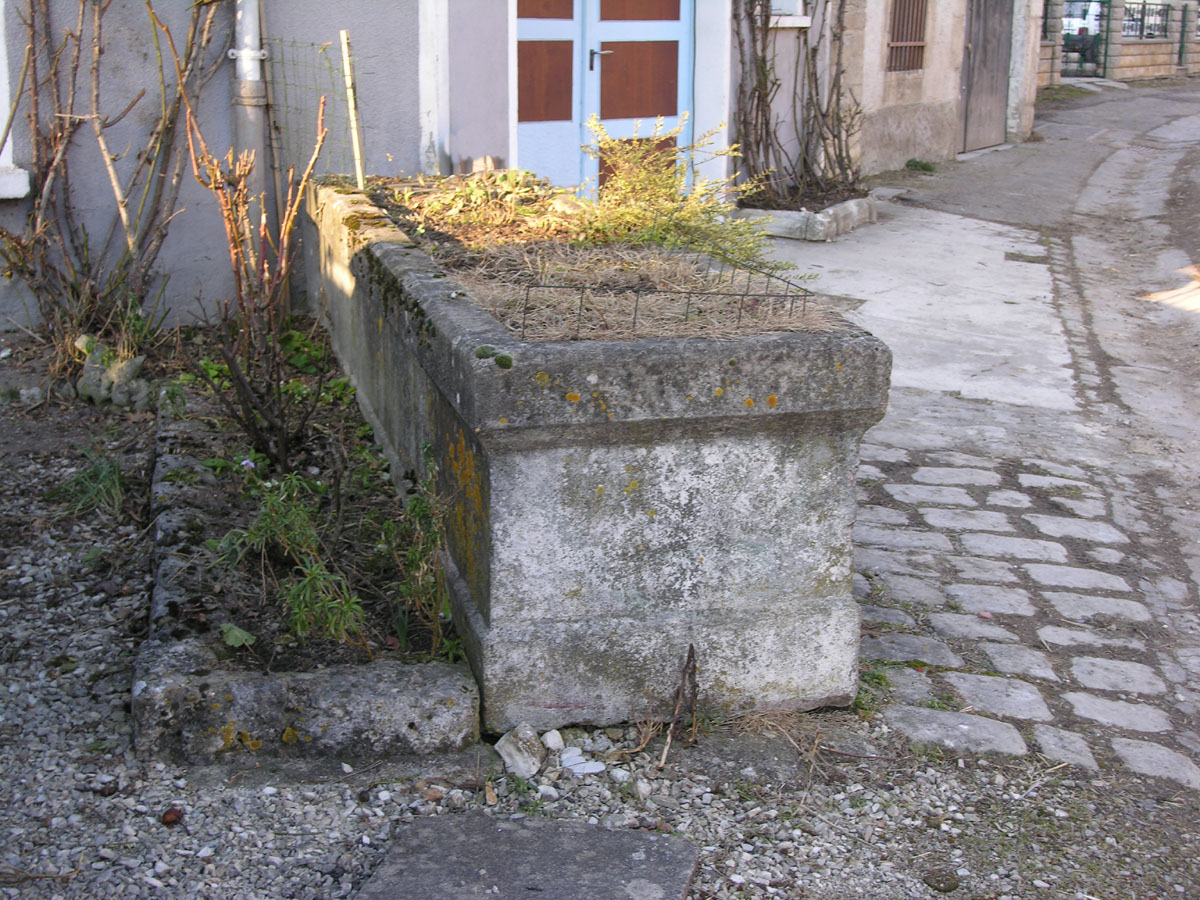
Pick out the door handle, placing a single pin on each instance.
(592, 54)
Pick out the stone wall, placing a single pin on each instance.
(1137, 59)
(612, 503)
(1050, 64)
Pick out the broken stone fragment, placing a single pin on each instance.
(552, 740)
(521, 751)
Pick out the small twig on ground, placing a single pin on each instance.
(13, 875)
(686, 692)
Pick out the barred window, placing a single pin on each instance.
(906, 49)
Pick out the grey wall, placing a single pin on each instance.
(479, 76)
(385, 41)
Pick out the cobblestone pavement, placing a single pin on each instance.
(1035, 606)
(1027, 544)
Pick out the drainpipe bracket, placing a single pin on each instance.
(246, 53)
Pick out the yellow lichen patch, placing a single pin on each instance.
(289, 735)
(631, 487)
(749, 402)
(542, 378)
(772, 401)
(468, 514)
(254, 745)
(650, 513)
(718, 392)
(227, 735)
(600, 489)
(839, 366)
(504, 420)
(572, 396)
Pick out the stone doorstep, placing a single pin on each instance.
(475, 855)
(185, 706)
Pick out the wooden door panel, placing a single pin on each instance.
(663, 158)
(545, 9)
(544, 77)
(985, 74)
(640, 10)
(639, 79)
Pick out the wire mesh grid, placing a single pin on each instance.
(724, 299)
(302, 73)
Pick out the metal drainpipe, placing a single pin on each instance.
(250, 95)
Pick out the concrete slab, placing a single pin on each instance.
(909, 648)
(1133, 716)
(1014, 659)
(977, 598)
(1085, 606)
(1009, 697)
(1064, 746)
(956, 625)
(1149, 758)
(474, 855)
(955, 731)
(1116, 675)
(997, 336)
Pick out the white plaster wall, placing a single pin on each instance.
(479, 38)
(1023, 67)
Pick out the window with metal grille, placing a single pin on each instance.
(906, 49)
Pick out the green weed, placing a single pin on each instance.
(920, 165)
(99, 486)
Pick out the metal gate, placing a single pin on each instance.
(1085, 30)
(984, 92)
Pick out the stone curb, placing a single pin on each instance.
(186, 706)
(802, 225)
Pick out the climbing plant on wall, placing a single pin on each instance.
(795, 127)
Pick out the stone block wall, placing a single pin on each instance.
(1050, 64)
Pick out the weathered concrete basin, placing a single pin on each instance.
(614, 502)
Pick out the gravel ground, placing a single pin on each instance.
(825, 805)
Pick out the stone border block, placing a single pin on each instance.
(802, 225)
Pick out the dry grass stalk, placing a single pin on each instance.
(553, 292)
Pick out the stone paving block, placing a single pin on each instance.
(934, 495)
(880, 615)
(909, 686)
(954, 458)
(909, 648)
(1011, 499)
(1076, 637)
(1189, 658)
(967, 519)
(1090, 509)
(896, 539)
(1147, 758)
(1116, 675)
(867, 473)
(906, 589)
(976, 598)
(955, 731)
(1082, 529)
(1084, 606)
(468, 855)
(1133, 716)
(873, 560)
(1012, 547)
(1106, 555)
(879, 453)
(947, 475)
(1074, 577)
(1009, 697)
(882, 515)
(1052, 482)
(955, 625)
(1064, 746)
(1015, 659)
(1062, 470)
(978, 569)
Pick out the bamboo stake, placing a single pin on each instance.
(352, 109)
